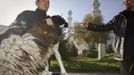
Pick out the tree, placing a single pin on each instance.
(77, 37)
(67, 50)
(97, 37)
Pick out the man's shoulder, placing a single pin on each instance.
(27, 12)
(121, 14)
(124, 13)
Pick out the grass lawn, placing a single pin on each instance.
(83, 64)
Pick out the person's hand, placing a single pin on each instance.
(84, 24)
(49, 21)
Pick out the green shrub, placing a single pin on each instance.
(90, 53)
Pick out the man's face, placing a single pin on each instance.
(129, 4)
(42, 4)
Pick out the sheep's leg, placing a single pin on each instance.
(58, 57)
(46, 72)
(47, 67)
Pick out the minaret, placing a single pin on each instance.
(96, 5)
(69, 23)
(69, 18)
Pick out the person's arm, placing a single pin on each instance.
(100, 27)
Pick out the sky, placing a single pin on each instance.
(9, 9)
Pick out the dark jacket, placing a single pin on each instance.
(118, 24)
(27, 18)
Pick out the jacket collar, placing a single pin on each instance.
(41, 12)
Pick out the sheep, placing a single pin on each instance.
(26, 52)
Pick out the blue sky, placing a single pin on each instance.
(9, 9)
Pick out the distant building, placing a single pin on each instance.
(70, 27)
(96, 5)
(70, 18)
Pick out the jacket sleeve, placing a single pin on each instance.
(102, 27)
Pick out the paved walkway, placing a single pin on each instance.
(93, 74)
